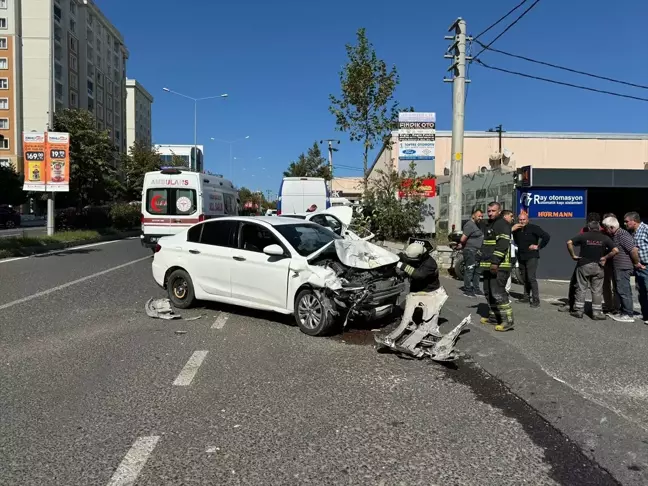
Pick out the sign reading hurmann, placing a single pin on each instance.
(416, 141)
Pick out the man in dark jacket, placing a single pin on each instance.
(496, 268)
(530, 239)
(421, 268)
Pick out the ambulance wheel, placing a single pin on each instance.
(180, 289)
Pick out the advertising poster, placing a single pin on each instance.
(34, 148)
(416, 141)
(431, 206)
(58, 162)
(553, 203)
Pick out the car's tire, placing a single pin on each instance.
(516, 276)
(311, 315)
(459, 267)
(10, 224)
(180, 289)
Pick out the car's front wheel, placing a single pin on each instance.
(311, 315)
(9, 224)
(180, 289)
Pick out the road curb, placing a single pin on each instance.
(615, 443)
(37, 250)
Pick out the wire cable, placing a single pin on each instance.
(500, 19)
(507, 28)
(562, 83)
(575, 71)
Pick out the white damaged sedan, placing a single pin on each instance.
(283, 265)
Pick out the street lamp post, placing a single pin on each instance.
(231, 143)
(195, 100)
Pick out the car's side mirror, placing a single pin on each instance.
(273, 250)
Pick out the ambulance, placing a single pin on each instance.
(175, 199)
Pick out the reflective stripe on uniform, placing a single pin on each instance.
(409, 270)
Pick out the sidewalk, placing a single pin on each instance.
(604, 362)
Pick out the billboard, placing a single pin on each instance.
(416, 141)
(553, 203)
(47, 161)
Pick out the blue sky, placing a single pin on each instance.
(279, 61)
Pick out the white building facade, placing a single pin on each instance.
(138, 113)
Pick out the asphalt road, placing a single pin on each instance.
(96, 393)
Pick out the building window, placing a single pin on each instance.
(100, 78)
(74, 80)
(4, 123)
(74, 64)
(73, 25)
(58, 33)
(90, 20)
(58, 71)
(91, 105)
(74, 99)
(4, 83)
(74, 44)
(57, 13)
(90, 88)
(4, 103)
(73, 7)
(3, 4)
(5, 163)
(4, 144)
(100, 112)
(90, 69)
(4, 63)
(109, 117)
(3, 22)
(3, 43)
(58, 90)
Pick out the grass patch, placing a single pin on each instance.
(29, 245)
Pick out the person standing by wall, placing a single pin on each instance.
(471, 242)
(496, 267)
(596, 249)
(530, 239)
(639, 230)
(623, 267)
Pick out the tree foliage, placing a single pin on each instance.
(395, 217)
(365, 108)
(92, 159)
(141, 158)
(11, 187)
(311, 164)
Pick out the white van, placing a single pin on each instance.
(174, 199)
(301, 194)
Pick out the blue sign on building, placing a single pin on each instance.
(552, 203)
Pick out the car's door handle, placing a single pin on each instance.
(239, 258)
(195, 252)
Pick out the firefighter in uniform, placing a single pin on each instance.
(496, 268)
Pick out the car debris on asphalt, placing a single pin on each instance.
(423, 339)
(160, 309)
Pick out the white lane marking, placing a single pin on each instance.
(53, 252)
(220, 321)
(189, 371)
(133, 462)
(69, 284)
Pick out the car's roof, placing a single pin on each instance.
(271, 220)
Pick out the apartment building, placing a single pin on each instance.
(72, 57)
(138, 113)
(10, 134)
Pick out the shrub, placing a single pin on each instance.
(125, 216)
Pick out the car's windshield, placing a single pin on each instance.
(306, 239)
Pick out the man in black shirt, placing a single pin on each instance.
(529, 239)
(596, 249)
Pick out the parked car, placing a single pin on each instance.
(9, 217)
(284, 265)
(337, 219)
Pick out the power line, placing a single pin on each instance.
(507, 28)
(562, 83)
(500, 19)
(575, 71)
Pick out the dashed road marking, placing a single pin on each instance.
(189, 371)
(69, 284)
(134, 461)
(220, 321)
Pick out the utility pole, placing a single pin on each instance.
(458, 80)
(331, 149)
(499, 130)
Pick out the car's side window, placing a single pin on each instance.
(218, 233)
(255, 238)
(193, 235)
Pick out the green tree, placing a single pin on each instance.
(311, 164)
(395, 217)
(142, 158)
(92, 159)
(365, 108)
(11, 187)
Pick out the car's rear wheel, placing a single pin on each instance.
(180, 289)
(311, 315)
(9, 224)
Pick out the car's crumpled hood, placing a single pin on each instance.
(363, 255)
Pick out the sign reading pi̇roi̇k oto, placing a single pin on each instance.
(46, 161)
